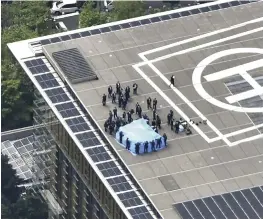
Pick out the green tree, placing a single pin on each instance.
(90, 16)
(30, 207)
(9, 182)
(128, 9)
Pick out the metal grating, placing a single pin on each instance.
(74, 65)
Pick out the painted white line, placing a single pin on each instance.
(200, 37)
(206, 45)
(236, 70)
(238, 132)
(197, 76)
(244, 95)
(251, 80)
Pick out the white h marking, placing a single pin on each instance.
(242, 71)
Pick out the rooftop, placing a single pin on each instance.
(216, 55)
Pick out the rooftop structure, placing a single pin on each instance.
(215, 52)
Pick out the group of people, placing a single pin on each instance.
(154, 144)
(175, 124)
(123, 95)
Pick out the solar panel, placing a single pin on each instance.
(253, 201)
(193, 210)
(67, 110)
(55, 40)
(244, 2)
(205, 9)
(243, 204)
(175, 15)
(109, 169)
(125, 25)
(88, 139)
(105, 29)
(135, 23)
(234, 205)
(95, 32)
(57, 95)
(165, 17)
(214, 7)
(145, 21)
(46, 80)
(195, 11)
(235, 3)
(203, 208)
(130, 199)
(224, 5)
(115, 27)
(185, 13)
(65, 38)
(45, 42)
(98, 154)
(75, 36)
(119, 184)
(78, 124)
(36, 66)
(155, 19)
(85, 34)
(140, 213)
(74, 65)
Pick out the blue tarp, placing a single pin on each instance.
(139, 131)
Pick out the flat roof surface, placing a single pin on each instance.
(217, 60)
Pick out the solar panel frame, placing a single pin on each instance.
(88, 139)
(95, 32)
(57, 95)
(175, 15)
(145, 21)
(65, 38)
(47, 80)
(75, 36)
(85, 34)
(214, 7)
(67, 110)
(195, 11)
(105, 30)
(130, 199)
(234, 3)
(45, 42)
(224, 5)
(140, 212)
(214, 208)
(185, 13)
(205, 9)
(119, 184)
(193, 210)
(253, 201)
(115, 27)
(109, 169)
(98, 154)
(155, 19)
(165, 17)
(78, 124)
(135, 23)
(125, 25)
(55, 40)
(203, 209)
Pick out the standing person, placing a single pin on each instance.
(153, 145)
(172, 124)
(120, 101)
(140, 111)
(155, 103)
(137, 108)
(113, 100)
(172, 114)
(128, 144)
(124, 115)
(124, 104)
(165, 139)
(115, 112)
(121, 135)
(158, 121)
(177, 127)
(110, 116)
(169, 118)
(172, 80)
(146, 147)
(129, 116)
(149, 103)
(110, 91)
(111, 128)
(154, 114)
(104, 98)
(106, 125)
(118, 87)
(135, 87)
(137, 148)
(159, 142)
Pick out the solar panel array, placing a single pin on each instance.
(74, 65)
(106, 162)
(131, 24)
(243, 204)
